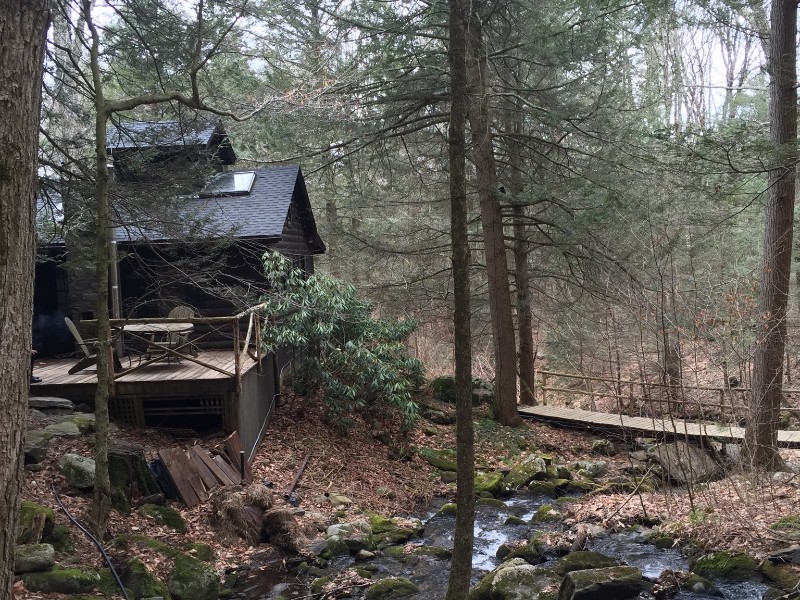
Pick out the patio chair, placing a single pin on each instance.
(176, 341)
(90, 358)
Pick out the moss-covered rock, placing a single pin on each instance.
(164, 515)
(543, 488)
(387, 531)
(444, 460)
(522, 473)
(515, 579)
(781, 575)
(599, 584)
(661, 539)
(60, 538)
(546, 514)
(514, 520)
(192, 579)
(35, 522)
(583, 559)
(433, 551)
(448, 510)
(493, 502)
(62, 581)
(202, 552)
(139, 582)
(319, 583)
(531, 553)
(491, 483)
(391, 587)
(33, 557)
(734, 565)
(77, 470)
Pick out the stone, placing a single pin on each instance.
(582, 560)
(34, 557)
(734, 565)
(62, 581)
(449, 477)
(352, 537)
(515, 579)
(63, 429)
(365, 555)
(339, 499)
(489, 482)
(444, 460)
(591, 468)
(78, 471)
(391, 587)
(130, 476)
(36, 444)
(781, 575)
(137, 579)
(521, 474)
(60, 538)
(387, 531)
(685, 463)
(602, 584)
(35, 522)
(45, 403)
(192, 579)
(604, 447)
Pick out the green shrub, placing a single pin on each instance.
(360, 363)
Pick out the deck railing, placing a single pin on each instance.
(654, 396)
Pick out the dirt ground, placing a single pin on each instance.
(379, 471)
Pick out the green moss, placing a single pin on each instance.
(444, 460)
(447, 510)
(391, 587)
(319, 583)
(61, 539)
(542, 488)
(192, 579)
(397, 552)
(34, 523)
(64, 581)
(734, 565)
(662, 539)
(141, 582)
(164, 515)
(530, 553)
(202, 552)
(493, 502)
(784, 523)
(125, 541)
(434, 552)
(781, 575)
(546, 514)
(514, 520)
(582, 560)
(491, 483)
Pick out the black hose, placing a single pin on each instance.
(96, 542)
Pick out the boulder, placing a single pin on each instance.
(355, 536)
(138, 580)
(387, 531)
(34, 557)
(36, 444)
(602, 584)
(35, 522)
(63, 429)
(515, 579)
(491, 483)
(685, 463)
(50, 403)
(521, 474)
(78, 471)
(391, 587)
(192, 579)
(733, 565)
(590, 468)
(62, 581)
(582, 560)
(604, 447)
(444, 460)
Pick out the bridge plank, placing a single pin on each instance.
(786, 439)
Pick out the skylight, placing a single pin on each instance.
(230, 184)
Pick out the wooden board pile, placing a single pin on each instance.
(196, 471)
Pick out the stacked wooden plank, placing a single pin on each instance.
(196, 471)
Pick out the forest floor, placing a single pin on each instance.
(391, 479)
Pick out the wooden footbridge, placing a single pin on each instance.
(659, 427)
(650, 427)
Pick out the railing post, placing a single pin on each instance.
(236, 355)
(544, 389)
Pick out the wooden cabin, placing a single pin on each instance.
(190, 230)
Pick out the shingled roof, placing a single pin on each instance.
(127, 136)
(259, 214)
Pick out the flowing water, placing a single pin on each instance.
(491, 531)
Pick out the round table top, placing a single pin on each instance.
(157, 327)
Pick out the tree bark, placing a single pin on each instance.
(761, 431)
(505, 354)
(23, 25)
(461, 567)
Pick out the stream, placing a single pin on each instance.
(492, 530)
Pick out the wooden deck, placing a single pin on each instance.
(647, 426)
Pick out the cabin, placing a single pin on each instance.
(189, 229)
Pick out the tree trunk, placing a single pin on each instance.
(505, 354)
(101, 506)
(461, 567)
(761, 432)
(23, 24)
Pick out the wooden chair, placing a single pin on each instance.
(176, 341)
(90, 358)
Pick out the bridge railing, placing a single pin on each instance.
(638, 397)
